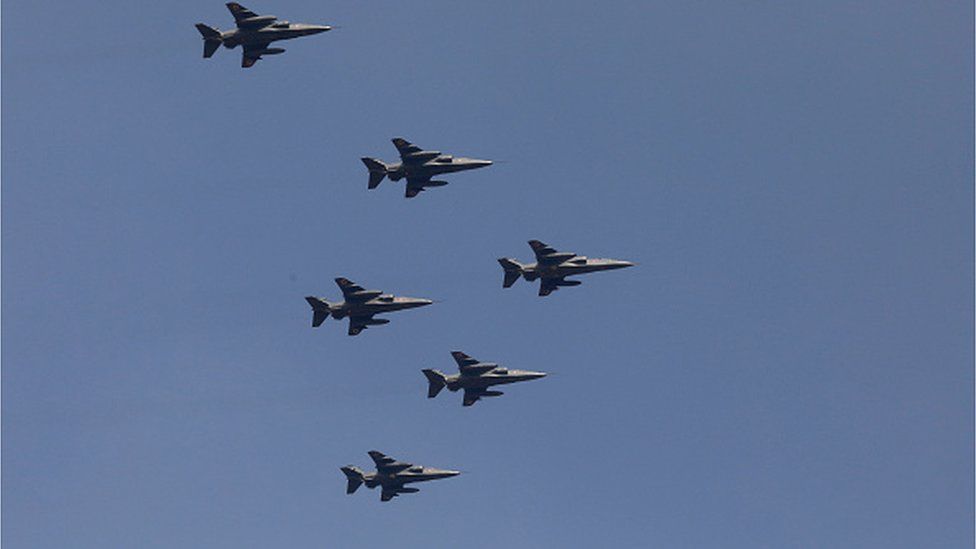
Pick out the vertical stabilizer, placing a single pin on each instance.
(377, 171)
(513, 270)
(211, 39)
(354, 478)
(320, 310)
(437, 382)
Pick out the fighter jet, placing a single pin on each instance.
(552, 267)
(255, 33)
(475, 378)
(392, 475)
(418, 166)
(360, 305)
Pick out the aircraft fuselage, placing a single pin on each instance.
(578, 265)
(460, 381)
(271, 33)
(432, 168)
(381, 304)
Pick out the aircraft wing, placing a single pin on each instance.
(354, 292)
(547, 255)
(463, 359)
(471, 396)
(358, 324)
(405, 148)
(469, 365)
(248, 57)
(242, 16)
(386, 464)
(415, 186)
(547, 286)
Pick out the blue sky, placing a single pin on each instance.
(791, 365)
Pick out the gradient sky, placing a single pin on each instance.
(791, 364)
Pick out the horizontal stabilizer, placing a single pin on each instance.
(354, 478)
(377, 171)
(436, 381)
(208, 33)
(320, 310)
(318, 317)
(209, 47)
(211, 39)
(513, 270)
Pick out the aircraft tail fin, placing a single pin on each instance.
(320, 310)
(437, 382)
(211, 39)
(377, 171)
(513, 270)
(354, 478)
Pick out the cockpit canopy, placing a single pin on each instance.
(386, 298)
(280, 25)
(578, 260)
(445, 159)
(416, 469)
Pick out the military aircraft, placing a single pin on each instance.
(552, 267)
(255, 33)
(418, 167)
(392, 475)
(360, 305)
(475, 377)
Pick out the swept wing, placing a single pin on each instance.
(471, 366)
(386, 464)
(247, 19)
(354, 292)
(547, 255)
(252, 53)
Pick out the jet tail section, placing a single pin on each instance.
(437, 382)
(377, 171)
(320, 310)
(513, 270)
(211, 39)
(354, 478)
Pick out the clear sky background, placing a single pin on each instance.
(790, 365)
